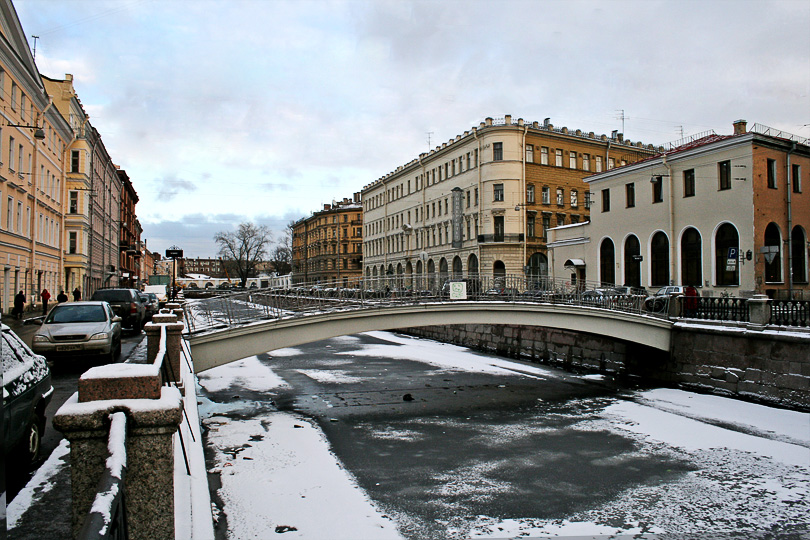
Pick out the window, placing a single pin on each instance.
(560, 196)
(530, 225)
(13, 96)
(611, 163)
(796, 182)
(468, 199)
(689, 184)
(630, 194)
(529, 153)
(558, 158)
(11, 153)
(469, 163)
(530, 194)
(772, 173)
(73, 202)
(606, 200)
(476, 197)
(560, 220)
(586, 162)
(607, 266)
(72, 242)
(727, 242)
(691, 263)
(2, 84)
(658, 189)
(724, 174)
(773, 241)
(546, 225)
(10, 214)
(574, 218)
(498, 193)
(572, 160)
(632, 261)
(497, 151)
(544, 156)
(659, 260)
(499, 230)
(574, 198)
(598, 163)
(546, 193)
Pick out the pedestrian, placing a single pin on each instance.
(77, 294)
(45, 297)
(19, 305)
(61, 297)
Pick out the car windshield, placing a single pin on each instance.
(76, 314)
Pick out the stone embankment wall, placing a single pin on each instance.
(760, 365)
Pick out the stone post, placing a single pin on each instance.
(675, 308)
(174, 332)
(153, 414)
(759, 311)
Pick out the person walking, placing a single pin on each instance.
(77, 294)
(45, 297)
(61, 297)
(19, 305)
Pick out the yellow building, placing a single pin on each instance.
(34, 139)
(328, 245)
(481, 203)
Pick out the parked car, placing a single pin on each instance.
(27, 390)
(150, 305)
(80, 329)
(626, 290)
(126, 303)
(161, 292)
(659, 301)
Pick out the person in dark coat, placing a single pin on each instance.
(61, 297)
(77, 294)
(19, 305)
(45, 297)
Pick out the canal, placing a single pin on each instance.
(382, 435)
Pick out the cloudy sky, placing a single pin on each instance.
(263, 110)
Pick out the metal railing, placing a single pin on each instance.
(790, 312)
(107, 519)
(244, 307)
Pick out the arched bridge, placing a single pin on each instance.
(225, 329)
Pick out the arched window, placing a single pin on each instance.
(725, 239)
(419, 282)
(443, 274)
(472, 265)
(773, 267)
(607, 262)
(799, 254)
(499, 273)
(632, 261)
(458, 271)
(659, 260)
(691, 258)
(431, 274)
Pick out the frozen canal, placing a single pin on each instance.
(382, 436)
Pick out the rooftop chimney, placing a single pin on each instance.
(740, 127)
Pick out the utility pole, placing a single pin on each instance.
(621, 117)
(35, 46)
(429, 133)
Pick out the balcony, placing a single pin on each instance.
(500, 238)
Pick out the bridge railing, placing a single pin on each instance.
(244, 307)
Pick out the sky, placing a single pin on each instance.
(224, 112)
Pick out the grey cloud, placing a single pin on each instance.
(171, 187)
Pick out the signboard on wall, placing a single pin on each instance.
(458, 290)
(458, 217)
(731, 260)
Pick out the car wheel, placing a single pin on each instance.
(658, 306)
(33, 440)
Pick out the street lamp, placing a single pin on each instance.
(39, 133)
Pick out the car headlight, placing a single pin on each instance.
(101, 335)
(40, 339)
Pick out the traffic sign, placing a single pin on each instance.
(174, 253)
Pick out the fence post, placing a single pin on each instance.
(154, 414)
(759, 311)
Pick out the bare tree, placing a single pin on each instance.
(244, 249)
(282, 254)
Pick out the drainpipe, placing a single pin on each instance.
(790, 223)
(523, 201)
(479, 200)
(671, 220)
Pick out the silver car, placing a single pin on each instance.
(80, 329)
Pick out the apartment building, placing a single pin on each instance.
(327, 247)
(34, 139)
(483, 202)
(728, 214)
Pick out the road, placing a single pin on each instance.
(449, 443)
(64, 377)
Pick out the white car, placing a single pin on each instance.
(80, 329)
(660, 299)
